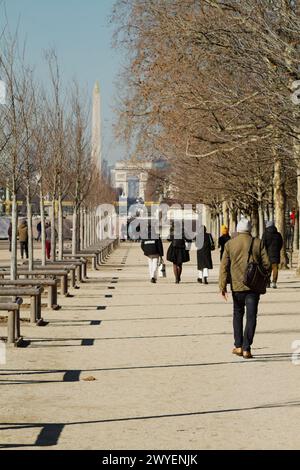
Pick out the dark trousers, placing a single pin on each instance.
(241, 300)
(24, 249)
(48, 249)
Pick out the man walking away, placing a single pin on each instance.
(23, 238)
(234, 264)
(153, 249)
(272, 241)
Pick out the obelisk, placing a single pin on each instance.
(96, 128)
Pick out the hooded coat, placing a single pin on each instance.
(23, 232)
(272, 241)
(204, 259)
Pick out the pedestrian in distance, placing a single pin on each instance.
(237, 253)
(177, 252)
(48, 239)
(39, 231)
(273, 243)
(153, 248)
(9, 234)
(223, 239)
(23, 238)
(205, 245)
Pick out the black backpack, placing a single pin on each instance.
(255, 277)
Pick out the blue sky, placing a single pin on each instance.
(81, 34)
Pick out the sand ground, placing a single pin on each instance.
(165, 377)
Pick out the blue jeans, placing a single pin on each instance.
(241, 300)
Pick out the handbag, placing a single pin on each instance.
(255, 277)
(212, 243)
(162, 270)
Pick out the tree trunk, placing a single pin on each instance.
(232, 220)
(296, 233)
(261, 219)
(225, 213)
(14, 247)
(43, 228)
(60, 229)
(75, 231)
(279, 208)
(298, 217)
(255, 222)
(30, 231)
(86, 228)
(82, 228)
(53, 232)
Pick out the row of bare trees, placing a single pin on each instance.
(45, 152)
(212, 87)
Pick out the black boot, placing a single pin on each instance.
(205, 280)
(199, 280)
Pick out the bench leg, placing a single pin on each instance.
(50, 297)
(38, 307)
(94, 263)
(64, 285)
(73, 277)
(33, 309)
(17, 324)
(11, 328)
(78, 273)
(54, 295)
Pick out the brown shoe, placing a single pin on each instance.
(237, 351)
(247, 355)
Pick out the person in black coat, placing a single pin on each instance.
(205, 245)
(223, 239)
(153, 248)
(177, 252)
(273, 242)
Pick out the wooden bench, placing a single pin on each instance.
(50, 284)
(46, 273)
(71, 268)
(13, 324)
(35, 294)
(97, 253)
(90, 256)
(76, 266)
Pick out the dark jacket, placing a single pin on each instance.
(152, 247)
(177, 252)
(272, 241)
(221, 243)
(235, 259)
(204, 259)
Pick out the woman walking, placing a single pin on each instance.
(154, 250)
(177, 253)
(204, 259)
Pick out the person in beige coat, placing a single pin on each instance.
(233, 267)
(23, 238)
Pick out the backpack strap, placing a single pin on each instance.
(250, 249)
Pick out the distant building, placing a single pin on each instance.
(129, 179)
